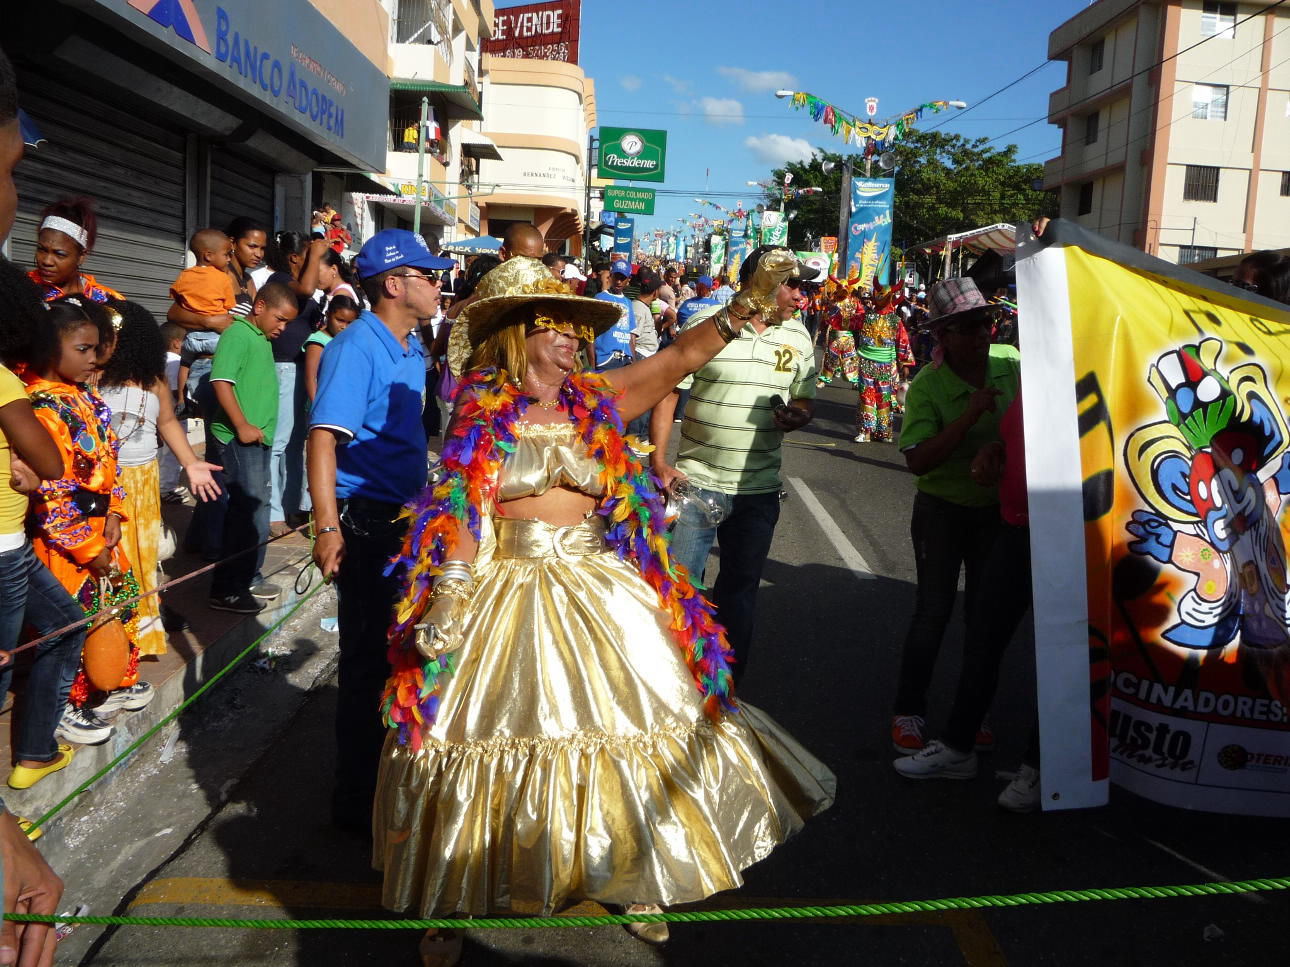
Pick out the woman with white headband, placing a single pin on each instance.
(67, 233)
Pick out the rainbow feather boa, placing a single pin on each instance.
(488, 406)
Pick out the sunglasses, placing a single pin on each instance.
(1247, 286)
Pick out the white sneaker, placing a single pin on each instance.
(1022, 794)
(82, 726)
(937, 761)
(130, 699)
(861, 438)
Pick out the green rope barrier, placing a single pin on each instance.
(134, 746)
(690, 916)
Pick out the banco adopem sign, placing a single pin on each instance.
(632, 154)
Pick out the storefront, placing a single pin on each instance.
(176, 116)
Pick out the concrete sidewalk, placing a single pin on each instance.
(197, 653)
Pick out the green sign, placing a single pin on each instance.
(636, 201)
(633, 154)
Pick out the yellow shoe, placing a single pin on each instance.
(24, 777)
(26, 826)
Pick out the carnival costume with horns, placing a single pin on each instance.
(562, 724)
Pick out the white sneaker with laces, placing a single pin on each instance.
(130, 699)
(1022, 794)
(937, 761)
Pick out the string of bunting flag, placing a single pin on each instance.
(867, 135)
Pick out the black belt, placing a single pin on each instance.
(368, 507)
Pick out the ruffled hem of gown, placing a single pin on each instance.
(528, 824)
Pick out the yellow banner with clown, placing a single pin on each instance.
(1158, 461)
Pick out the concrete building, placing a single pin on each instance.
(1175, 125)
(179, 116)
(539, 113)
(433, 53)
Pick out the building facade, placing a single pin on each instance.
(434, 53)
(539, 114)
(1175, 123)
(179, 116)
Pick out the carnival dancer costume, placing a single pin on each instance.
(91, 288)
(840, 354)
(70, 513)
(883, 348)
(563, 724)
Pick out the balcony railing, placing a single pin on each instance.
(472, 81)
(425, 22)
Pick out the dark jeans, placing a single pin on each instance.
(373, 535)
(744, 537)
(30, 595)
(946, 537)
(1003, 600)
(246, 519)
(206, 529)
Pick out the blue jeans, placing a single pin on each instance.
(30, 595)
(246, 519)
(744, 537)
(289, 491)
(206, 529)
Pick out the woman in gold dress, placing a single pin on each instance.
(562, 721)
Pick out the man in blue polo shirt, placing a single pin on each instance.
(367, 458)
(614, 345)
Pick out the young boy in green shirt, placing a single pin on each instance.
(245, 382)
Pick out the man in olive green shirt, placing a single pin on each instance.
(952, 409)
(245, 382)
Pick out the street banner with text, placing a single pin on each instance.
(1158, 464)
(624, 236)
(869, 229)
(717, 253)
(537, 31)
(774, 228)
(634, 201)
(632, 154)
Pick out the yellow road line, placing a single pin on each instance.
(971, 932)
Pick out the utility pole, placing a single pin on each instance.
(844, 217)
(593, 144)
(421, 163)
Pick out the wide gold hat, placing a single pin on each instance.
(521, 281)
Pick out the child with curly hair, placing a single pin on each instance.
(78, 516)
(133, 386)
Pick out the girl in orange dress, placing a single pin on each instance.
(78, 517)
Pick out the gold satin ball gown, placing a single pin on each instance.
(571, 757)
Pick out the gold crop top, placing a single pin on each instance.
(548, 455)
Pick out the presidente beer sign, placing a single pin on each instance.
(539, 31)
(633, 154)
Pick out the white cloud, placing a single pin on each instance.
(678, 85)
(779, 149)
(758, 81)
(630, 81)
(722, 110)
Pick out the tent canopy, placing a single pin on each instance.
(1001, 238)
(474, 246)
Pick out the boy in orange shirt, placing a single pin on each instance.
(206, 289)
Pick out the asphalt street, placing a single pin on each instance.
(832, 613)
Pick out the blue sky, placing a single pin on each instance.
(708, 78)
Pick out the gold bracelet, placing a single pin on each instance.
(722, 325)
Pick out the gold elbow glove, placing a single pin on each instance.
(441, 631)
(761, 293)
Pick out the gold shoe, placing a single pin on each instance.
(24, 777)
(441, 948)
(652, 932)
(26, 826)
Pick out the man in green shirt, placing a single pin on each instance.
(952, 409)
(245, 382)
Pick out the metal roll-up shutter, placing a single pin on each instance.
(239, 187)
(133, 170)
